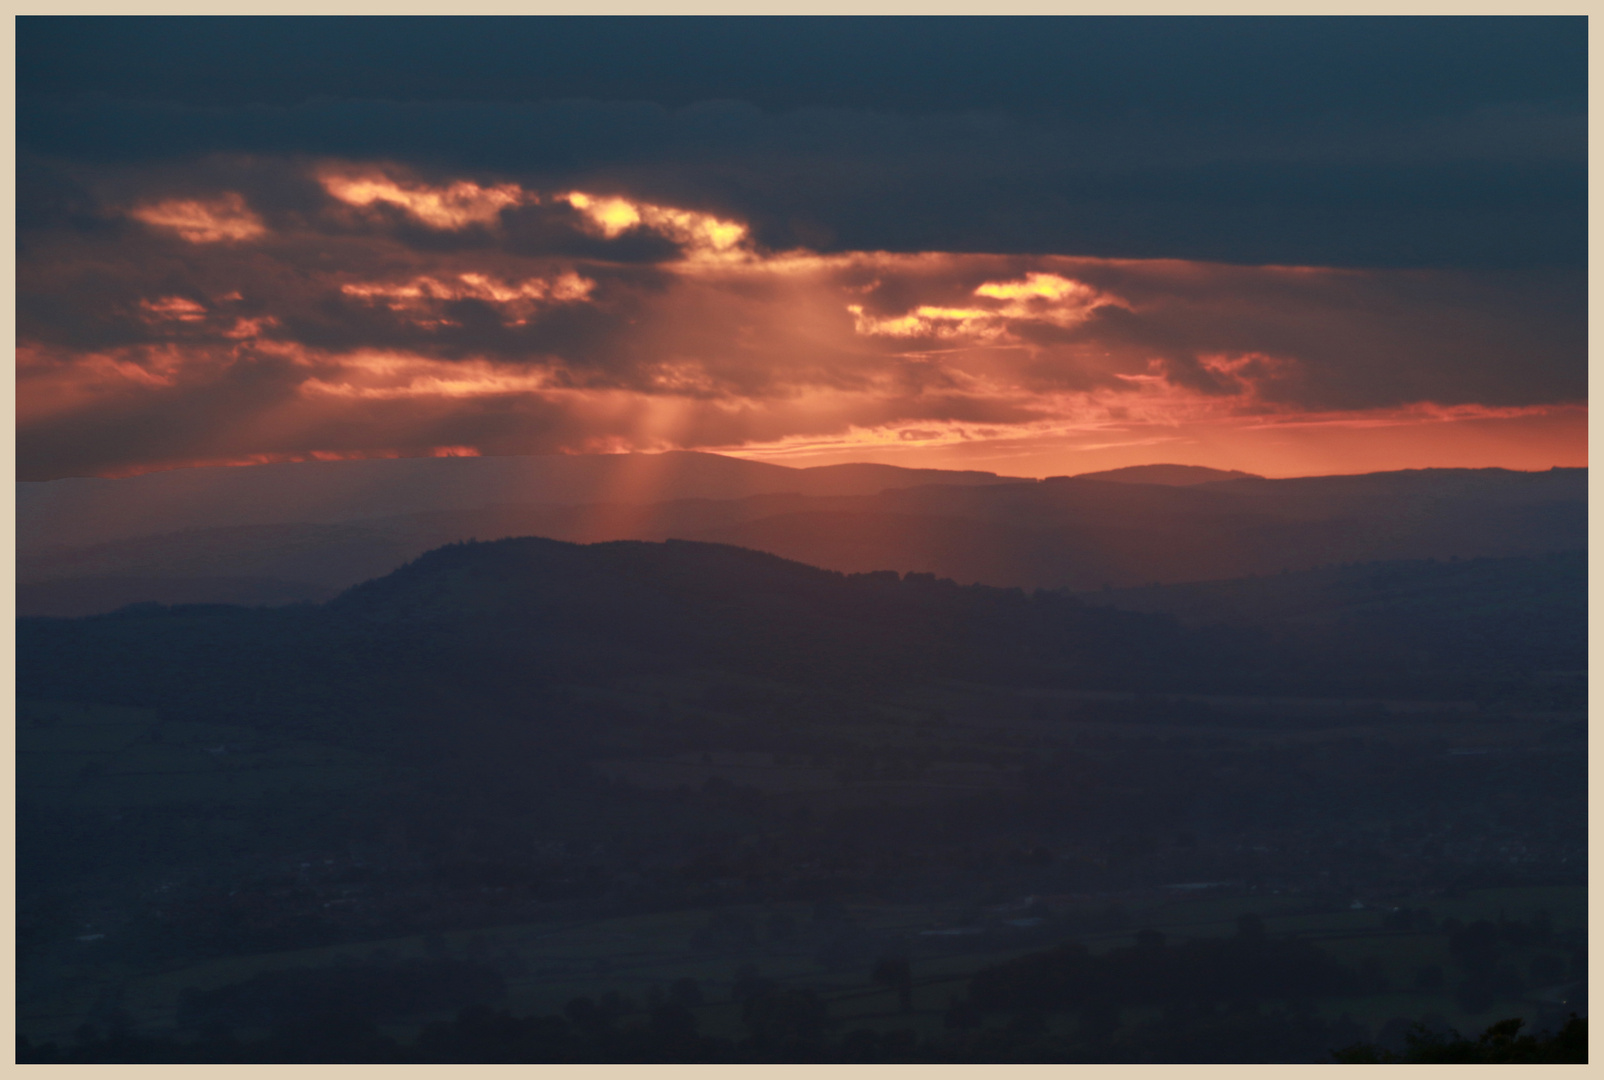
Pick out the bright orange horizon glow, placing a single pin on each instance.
(1531, 441)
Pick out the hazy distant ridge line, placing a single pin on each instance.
(1079, 533)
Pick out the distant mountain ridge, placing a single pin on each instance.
(1173, 475)
(89, 510)
(521, 611)
(512, 611)
(1479, 615)
(1063, 532)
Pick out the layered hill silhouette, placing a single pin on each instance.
(513, 614)
(91, 510)
(1512, 618)
(1175, 475)
(507, 734)
(1080, 533)
(506, 617)
(1426, 589)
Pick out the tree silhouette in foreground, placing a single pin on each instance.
(1501, 1044)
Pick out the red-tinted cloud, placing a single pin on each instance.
(342, 309)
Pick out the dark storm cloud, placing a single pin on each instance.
(1390, 142)
(1474, 190)
(1181, 66)
(341, 257)
(744, 233)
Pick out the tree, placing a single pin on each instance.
(1500, 1044)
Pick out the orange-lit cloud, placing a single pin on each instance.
(173, 308)
(703, 236)
(518, 300)
(207, 221)
(379, 375)
(452, 206)
(1423, 436)
(307, 455)
(1038, 297)
(584, 322)
(1047, 297)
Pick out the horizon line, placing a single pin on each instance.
(315, 459)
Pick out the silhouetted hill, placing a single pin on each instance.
(712, 605)
(445, 769)
(499, 622)
(518, 613)
(1174, 475)
(1067, 532)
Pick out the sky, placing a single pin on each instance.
(1033, 246)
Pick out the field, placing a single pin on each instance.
(691, 778)
(103, 756)
(641, 958)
